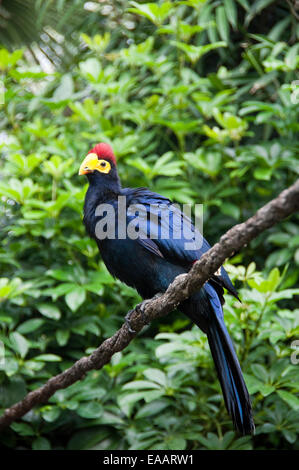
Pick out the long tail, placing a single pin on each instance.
(234, 389)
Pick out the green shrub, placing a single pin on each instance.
(199, 103)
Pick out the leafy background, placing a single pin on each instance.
(199, 102)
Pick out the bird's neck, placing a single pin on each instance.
(98, 194)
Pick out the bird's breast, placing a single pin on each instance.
(137, 267)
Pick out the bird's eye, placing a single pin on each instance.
(103, 166)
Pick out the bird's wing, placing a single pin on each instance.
(167, 232)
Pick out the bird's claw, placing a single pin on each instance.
(139, 309)
(128, 321)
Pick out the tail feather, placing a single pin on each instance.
(205, 309)
(229, 372)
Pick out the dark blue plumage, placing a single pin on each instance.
(151, 264)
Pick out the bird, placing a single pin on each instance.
(149, 257)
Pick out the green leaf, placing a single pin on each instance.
(65, 89)
(280, 238)
(231, 12)
(230, 209)
(19, 343)
(206, 161)
(175, 442)
(61, 275)
(87, 438)
(290, 399)
(253, 384)
(156, 375)
(290, 436)
(152, 11)
(194, 53)
(41, 443)
(60, 290)
(90, 410)
(244, 4)
(75, 298)
(23, 429)
(274, 279)
(47, 358)
(151, 409)
(49, 311)
(267, 389)
(29, 326)
(292, 57)
(90, 394)
(12, 391)
(140, 384)
(91, 68)
(279, 257)
(62, 337)
(263, 173)
(260, 372)
(222, 23)
(11, 366)
(50, 413)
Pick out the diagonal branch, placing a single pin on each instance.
(181, 288)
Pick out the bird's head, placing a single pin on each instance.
(99, 165)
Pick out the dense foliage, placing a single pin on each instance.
(199, 101)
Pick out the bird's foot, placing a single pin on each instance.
(139, 309)
(128, 321)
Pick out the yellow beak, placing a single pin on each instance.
(89, 164)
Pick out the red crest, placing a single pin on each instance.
(104, 151)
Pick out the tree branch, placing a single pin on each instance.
(181, 288)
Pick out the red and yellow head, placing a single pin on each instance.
(99, 158)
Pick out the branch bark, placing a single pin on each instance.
(181, 288)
